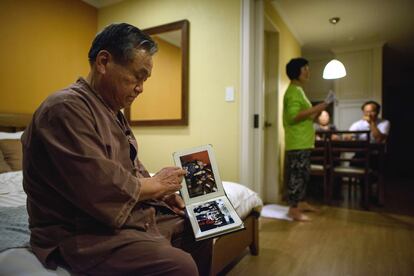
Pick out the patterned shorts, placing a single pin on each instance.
(298, 175)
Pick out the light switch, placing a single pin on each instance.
(229, 97)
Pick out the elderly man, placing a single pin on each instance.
(93, 207)
(370, 121)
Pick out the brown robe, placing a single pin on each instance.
(82, 174)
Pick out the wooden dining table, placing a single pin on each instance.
(376, 151)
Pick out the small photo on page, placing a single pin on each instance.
(212, 214)
(199, 178)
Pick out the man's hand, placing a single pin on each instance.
(367, 118)
(176, 203)
(371, 119)
(165, 182)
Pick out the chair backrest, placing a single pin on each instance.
(319, 154)
(355, 152)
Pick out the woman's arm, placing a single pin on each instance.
(310, 112)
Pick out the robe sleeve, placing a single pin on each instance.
(93, 182)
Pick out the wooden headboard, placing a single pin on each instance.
(14, 122)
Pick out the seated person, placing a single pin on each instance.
(370, 121)
(322, 124)
(93, 207)
(379, 128)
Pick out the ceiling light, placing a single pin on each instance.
(334, 69)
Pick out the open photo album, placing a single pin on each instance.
(210, 212)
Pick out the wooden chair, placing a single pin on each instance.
(320, 161)
(377, 166)
(351, 158)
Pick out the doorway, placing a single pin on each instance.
(271, 126)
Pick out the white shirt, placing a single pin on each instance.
(362, 125)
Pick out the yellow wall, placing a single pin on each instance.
(214, 64)
(44, 47)
(288, 48)
(162, 97)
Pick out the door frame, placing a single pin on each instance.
(251, 139)
(252, 95)
(246, 174)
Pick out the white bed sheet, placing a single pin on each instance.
(11, 183)
(21, 261)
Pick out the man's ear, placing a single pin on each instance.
(102, 60)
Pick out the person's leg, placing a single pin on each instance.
(201, 251)
(179, 231)
(305, 163)
(296, 184)
(148, 256)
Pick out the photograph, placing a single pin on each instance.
(212, 214)
(200, 177)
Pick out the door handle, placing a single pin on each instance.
(267, 124)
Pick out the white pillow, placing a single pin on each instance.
(10, 135)
(243, 199)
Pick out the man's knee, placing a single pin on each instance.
(183, 264)
(147, 259)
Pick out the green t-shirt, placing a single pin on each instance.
(298, 135)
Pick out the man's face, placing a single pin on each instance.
(370, 111)
(125, 82)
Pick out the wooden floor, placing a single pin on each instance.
(337, 242)
(340, 240)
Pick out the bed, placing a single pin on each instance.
(15, 255)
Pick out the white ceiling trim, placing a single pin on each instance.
(101, 3)
(286, 20)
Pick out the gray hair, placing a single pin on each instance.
(121, 40)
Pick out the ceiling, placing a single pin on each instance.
(101, 3)
(363, 22)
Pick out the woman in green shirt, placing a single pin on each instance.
(298, 116)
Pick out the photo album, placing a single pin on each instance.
(210, 212)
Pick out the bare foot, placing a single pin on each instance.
(306, 207)
(296, 214)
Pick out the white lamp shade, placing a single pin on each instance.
(334, 70)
